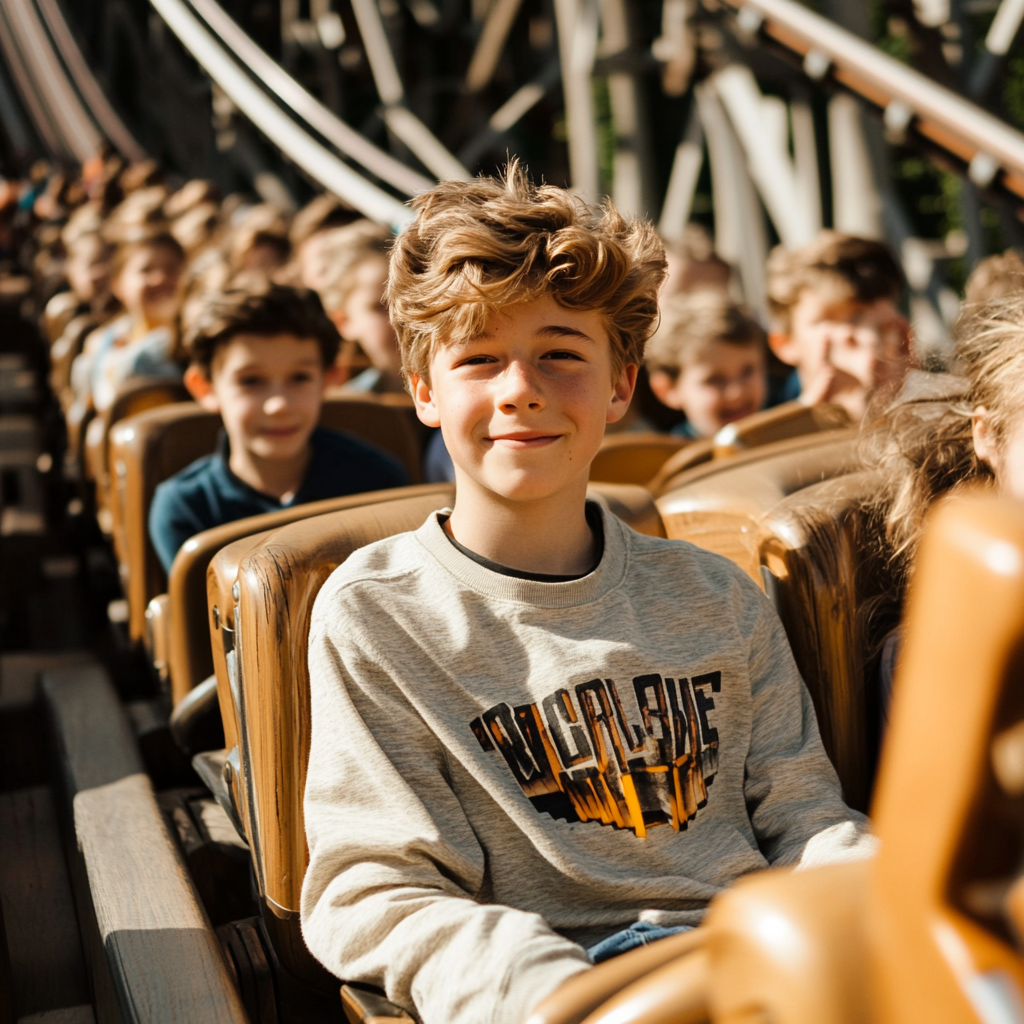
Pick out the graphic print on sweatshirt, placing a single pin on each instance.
(581, 756)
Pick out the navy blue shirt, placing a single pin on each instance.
(207, 493)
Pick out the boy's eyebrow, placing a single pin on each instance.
(560, 331)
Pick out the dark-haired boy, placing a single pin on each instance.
(538, 738)
(261, 359)
(836, 320)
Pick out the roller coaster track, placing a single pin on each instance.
(910, 101)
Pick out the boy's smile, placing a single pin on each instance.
(523, 406)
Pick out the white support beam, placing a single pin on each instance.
(740, 237)
(492, 41)
(767, 160)
(402, 121)
(577, 22)
(805, 155)
(856, 202)
(682, 183)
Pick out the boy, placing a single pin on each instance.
(356, 272)
(836, 320)
(707, 360)
(531, 726)
(261, 359)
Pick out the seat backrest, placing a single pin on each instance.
(819, 567)
(261, 593)
(134, 396)
(770, 426)
(718, 504)
(150, 448)
(950, 794)
(634, 458)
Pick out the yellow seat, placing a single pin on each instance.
(634, 458)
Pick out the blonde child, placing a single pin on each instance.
(707, 360)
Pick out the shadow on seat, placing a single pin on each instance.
(770, 426)
(718, 505)
(148, 449)
(261, 594)
(921, 931)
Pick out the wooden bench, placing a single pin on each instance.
(634, 458)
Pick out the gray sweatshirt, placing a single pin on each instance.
(503, 771)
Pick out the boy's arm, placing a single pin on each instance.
(792, 791)
(394, 863)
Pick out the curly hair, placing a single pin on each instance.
(924, 448)
(689, 323)
(261, 308)
(864, 269)
(483, 245)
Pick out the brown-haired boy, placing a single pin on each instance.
(834, 305)
(707, 359)
(535, 731)
(261, 358)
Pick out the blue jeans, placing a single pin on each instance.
(640, 934)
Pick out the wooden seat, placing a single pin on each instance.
(261, 594)
(151, 447)
(919, 932)
(717, 505)
(134, 396)
(819, 565)
(634, 458)
(770, 426)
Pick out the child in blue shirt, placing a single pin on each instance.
(260, 358)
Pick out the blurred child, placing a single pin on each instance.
(995, 277)
(312, 230)
(834, 305)
(146, 281)
(971, 432)
(259, 240)
(707, 359)
(693, 264)
(355, 275)
(261, 359)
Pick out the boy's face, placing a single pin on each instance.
(364, 316)
(88, 268)
(846, 349)
(148, 284)
(720, 384)
(268, 392)
(523, 407)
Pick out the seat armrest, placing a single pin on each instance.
(364, 1006)
(576, 999)
(158, 637)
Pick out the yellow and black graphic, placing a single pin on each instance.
(584, 760)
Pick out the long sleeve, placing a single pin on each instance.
(793, 794)
(395, 874)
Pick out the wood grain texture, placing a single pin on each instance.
(718, 505)
(154, 955)
(47, 966)
(813, 545)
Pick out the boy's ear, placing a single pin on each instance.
(984, 442)
(334, 376)
(200, 388)
(784, 347)
(622, 393)
(423, 398)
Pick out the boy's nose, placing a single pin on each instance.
(519, 387)
(275, 404)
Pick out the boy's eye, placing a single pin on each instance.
(476, 360)
(560, 354)
(250, 381)
(303, 377)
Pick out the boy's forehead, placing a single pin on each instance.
(246, 349)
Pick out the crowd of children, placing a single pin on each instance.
(645, 670)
